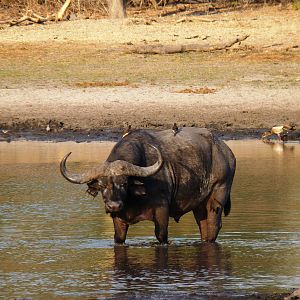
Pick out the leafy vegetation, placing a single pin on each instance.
(296, 4)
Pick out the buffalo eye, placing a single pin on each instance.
(120, 182)
(123, 185)
(138, 188)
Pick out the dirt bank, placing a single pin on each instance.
(69, 73)
(230, 110)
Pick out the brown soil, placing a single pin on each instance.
(81, 74)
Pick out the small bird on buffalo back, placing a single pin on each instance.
(48, 129)
(175, 129)
(127, 131)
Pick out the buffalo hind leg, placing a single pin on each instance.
(161, 221)
(121, 229)
(208, 214)
(200, 215)
(219, 199)
(214, 219)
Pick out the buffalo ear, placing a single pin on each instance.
(138, 188)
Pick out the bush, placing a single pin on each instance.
(296, 4)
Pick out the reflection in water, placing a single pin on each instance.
(279, 147)
(181, 268)
(24, 152)
(56, 241)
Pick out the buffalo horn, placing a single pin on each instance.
(78, 178)
(115, 168)
(121, 167)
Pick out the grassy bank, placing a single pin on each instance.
(70, 64)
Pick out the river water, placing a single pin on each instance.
(56, 241)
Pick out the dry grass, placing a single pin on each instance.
(203, 90)
(101, 84)
(83, 65)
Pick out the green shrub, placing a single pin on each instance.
(296, 4)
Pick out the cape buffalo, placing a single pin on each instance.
(154, 175)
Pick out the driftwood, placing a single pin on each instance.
(170, 49)
(32, 17)
(185, 19)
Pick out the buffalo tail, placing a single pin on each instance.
(227, 206)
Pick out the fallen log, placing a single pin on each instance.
(171, 49)
(32, 17)
(17, 22)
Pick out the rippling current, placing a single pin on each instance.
(56, 241)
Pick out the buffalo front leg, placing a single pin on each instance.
(161, 221)
(121, 229)
(200, 214)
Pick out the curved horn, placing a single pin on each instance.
(79, 178)
(118, 167)
(121, 167)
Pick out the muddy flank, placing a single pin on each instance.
(83, 77)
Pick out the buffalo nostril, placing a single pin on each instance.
(110, 207)
(113, 207)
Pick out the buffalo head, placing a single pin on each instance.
(112, 179)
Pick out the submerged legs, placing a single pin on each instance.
(200, 215)
(161, 221)
(120, 230)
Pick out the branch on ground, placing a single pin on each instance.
(171, 49)
(31, 17)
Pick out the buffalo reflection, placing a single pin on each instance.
(183, 266)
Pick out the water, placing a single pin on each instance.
(56, 241)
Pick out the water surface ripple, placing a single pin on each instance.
(56, 241)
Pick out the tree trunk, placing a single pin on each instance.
(63, 9)
(117, 9)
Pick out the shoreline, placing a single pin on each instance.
(81, 75)
(115, 134)
(77, 113)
